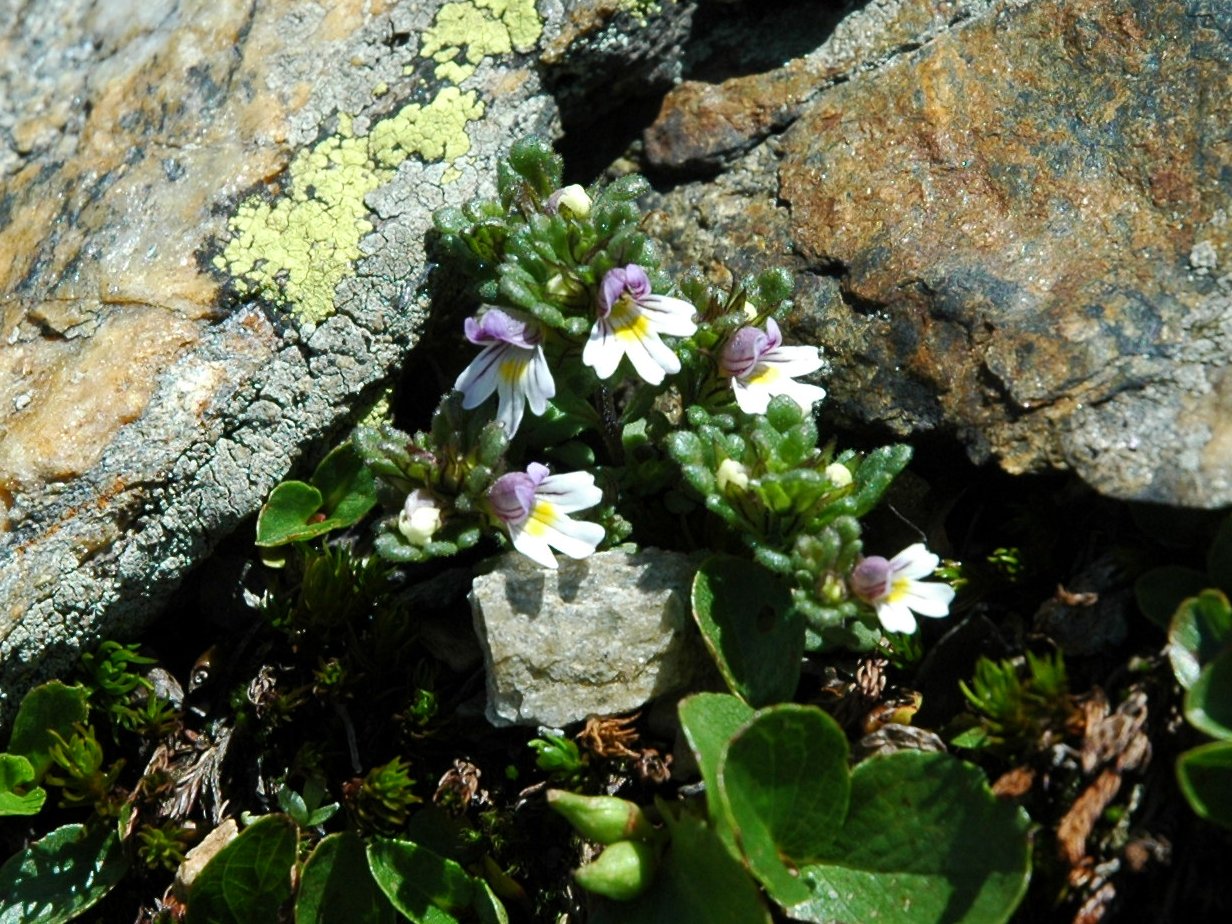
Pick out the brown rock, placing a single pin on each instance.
(1015, 233)
(702, 125)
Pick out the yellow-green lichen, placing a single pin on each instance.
(474, 29)
(641, 10)
(380, 411)
(297, 249)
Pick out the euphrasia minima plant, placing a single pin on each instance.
(601, 405)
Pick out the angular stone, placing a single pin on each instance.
(1017, 233)
(703, 125)
(597, 637)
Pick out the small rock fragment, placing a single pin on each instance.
(599, 636)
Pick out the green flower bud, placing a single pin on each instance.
(622, 872)
(605, 819)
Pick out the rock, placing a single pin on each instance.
(703, 125)
(1016, 232)
(212, 221)
(200, 855)
(598, 637)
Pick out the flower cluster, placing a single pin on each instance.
(687, 400)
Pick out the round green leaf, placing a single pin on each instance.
(51, 707)
(1208, 704)
(336, 886)
(284, 517)
(709, 720)
(347, 485)
(753, 631)
(925, 840)
(1200, 629)
(250, 878)
(422, 884)
(17, 774)
(56, 879)
(783, 788)
(1205, 777)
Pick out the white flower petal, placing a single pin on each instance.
(753, 399)
(669, 315)
(650, 356)
(534, 545)
(794, 360)
(915, 561)
(575, 538)
(571, 491)
(895, 617)
(512, 405)
(602, 351)
(478, 380)
(539, 385)
(928, 598)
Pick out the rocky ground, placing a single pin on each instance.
(1006, 219)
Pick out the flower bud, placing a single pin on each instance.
(605, 819)
(838, 474)
(566, 288)
(420, 518)
(732, 472)
(572, 199)
(622, 872)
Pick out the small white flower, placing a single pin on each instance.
(630, 321)
(731, 472)
(511, 364)
(760, 367)
(420, 518)
(533, 505)
(838, 474)
(895, 591)
(572, 198)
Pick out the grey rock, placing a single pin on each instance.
(212, 224)
(597, 637)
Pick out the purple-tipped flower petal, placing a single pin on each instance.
(760, 367)
(895, 590)
(534, 507)
(511, 364)
(630, 320)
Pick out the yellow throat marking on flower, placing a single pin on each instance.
(627, 320)
(898, 589)
(512, 369)
(764, 374)
(542, 515)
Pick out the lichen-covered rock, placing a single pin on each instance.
(600, 636)
(212, 221)
(1016, 232)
